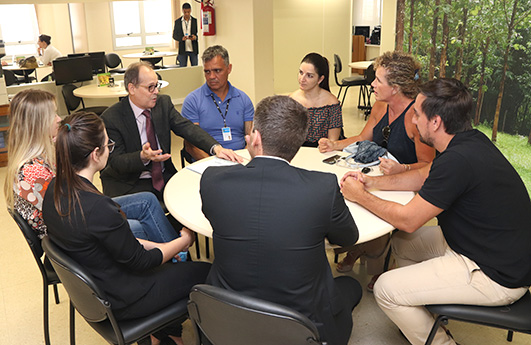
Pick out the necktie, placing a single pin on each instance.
(156, 167)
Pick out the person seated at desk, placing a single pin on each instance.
(391, 126)
(31, 167)
(270, 221)
(141, 125)
(47, 52)
(480, 253)
(324, 110)
(208, 106)
(91, 229)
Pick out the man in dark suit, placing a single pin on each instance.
(140, 125)
(270, 221)
(185, 32)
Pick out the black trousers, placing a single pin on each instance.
(172, 283)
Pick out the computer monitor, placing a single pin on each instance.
(98, 62)
(76, 55)
(72, 70)
(362, 30)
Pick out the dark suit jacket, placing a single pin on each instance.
(125, 166)
(178, 35)
(270, 221)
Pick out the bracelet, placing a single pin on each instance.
(407, 167)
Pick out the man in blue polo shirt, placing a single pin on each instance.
(219, 108)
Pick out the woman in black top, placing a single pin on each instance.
(91, 229)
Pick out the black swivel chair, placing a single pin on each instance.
(92, 303)
(49, 277)
(48, 77)
(514, 318)
(11, 78)
(348, 81)
(112, 60)
(227, 317)
(72, 101)
(187, 158)
(366, 91)
(153, 61)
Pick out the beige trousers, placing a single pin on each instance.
(432, 273)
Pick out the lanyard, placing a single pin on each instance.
(220, 113)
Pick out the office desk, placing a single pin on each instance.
(95, 91)
(183, 200)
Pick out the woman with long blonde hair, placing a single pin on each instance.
(31, 163)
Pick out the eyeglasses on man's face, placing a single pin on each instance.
(151, 88)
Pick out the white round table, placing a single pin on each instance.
(183, 200)
(95, 91)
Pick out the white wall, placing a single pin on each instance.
(304, 26)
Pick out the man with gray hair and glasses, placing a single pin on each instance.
(140, 125)
(222, 110)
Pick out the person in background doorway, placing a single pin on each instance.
(185, 33)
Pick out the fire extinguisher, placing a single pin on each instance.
(209, 18)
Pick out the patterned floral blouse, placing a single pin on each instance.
(321, 120)
(33, 180)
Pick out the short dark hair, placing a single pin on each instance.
(186, 6)
(451, 100)
(46, 39)
(132, 72)
(320, 63)
(212, 52)
(283, 125)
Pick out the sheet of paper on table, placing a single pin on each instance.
(200, 166)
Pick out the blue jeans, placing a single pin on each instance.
(146, 218)
(183, 59)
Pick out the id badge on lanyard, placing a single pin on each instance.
(227, 135)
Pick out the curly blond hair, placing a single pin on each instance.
(403, 70)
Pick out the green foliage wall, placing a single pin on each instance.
(479, 34)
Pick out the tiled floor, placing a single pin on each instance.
(21, 290)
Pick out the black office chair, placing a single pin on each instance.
(227, 317)
(514, 318)
(11, 78)
(72, 101)
(348, 81)
(367, 91)
(187, 158)
(112, 60)
(153, 61)
(25, 74)
(92, 303)
(48, 77)
(49, 277)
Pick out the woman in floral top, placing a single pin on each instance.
(31, 154)
(324, 110)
